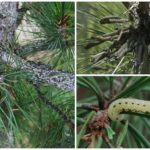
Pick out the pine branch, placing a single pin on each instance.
(54, 107)
(40, 73)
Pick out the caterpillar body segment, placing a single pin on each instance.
(127, 105)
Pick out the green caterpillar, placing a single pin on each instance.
(127, 105)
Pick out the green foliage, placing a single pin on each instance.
(23, 114)
(32, 122)
(132, 132)
(83, 130)
(56, 35)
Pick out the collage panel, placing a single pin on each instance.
(113, 112)
(113, 38)
(37, 74)
(45, 102)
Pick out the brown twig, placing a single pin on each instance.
(88, 107)
(108, 142)
(112, 19)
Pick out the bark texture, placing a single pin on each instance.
(8, 20)
(40, 73)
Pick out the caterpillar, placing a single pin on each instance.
(127, 105)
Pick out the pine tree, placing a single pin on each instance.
(36, 97)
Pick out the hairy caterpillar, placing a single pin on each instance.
(127, 105)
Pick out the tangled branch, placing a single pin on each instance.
(134, 39)
(40, 73)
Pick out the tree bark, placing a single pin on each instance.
(40, 73)
(8, 21)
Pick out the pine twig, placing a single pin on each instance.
(88, 107)
(50, 104)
